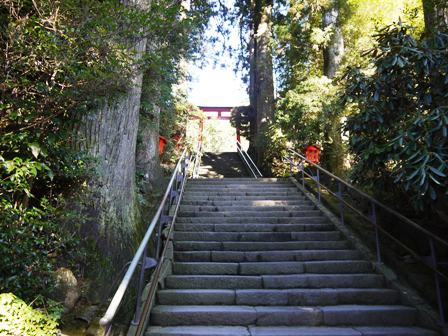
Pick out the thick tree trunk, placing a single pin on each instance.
(109, 135)
(334, 51)
(148, 163)
(332, 54)
(436, 15)
(261, 74)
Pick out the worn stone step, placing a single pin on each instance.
(246, 214)
(197, 331)
(201, 197)
(252, 227)
(286, 331)
(285, 267)
(278, 297)
(318, 218)
(185, 210)
(275, 281)
(257, 246)
(344, 315)
(264, 193)
(241, 187)
(242, 202)
(339, 331)
(289, 255)
(214, 181)
(256, 236)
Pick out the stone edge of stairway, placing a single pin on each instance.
(427, 316)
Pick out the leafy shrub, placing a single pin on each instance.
(400, 135)
(17, 318)
(32, 244)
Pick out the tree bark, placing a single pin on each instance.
(261, 90)
(332, 55)
(436, 15)
(148, 163)
(334, 51)
(109, 135)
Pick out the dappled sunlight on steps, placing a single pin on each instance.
(255, 257)
(219, 165)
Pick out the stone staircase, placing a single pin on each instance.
(255, 257)
(218, 165)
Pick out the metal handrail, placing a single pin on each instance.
(153, 287)
(371, 199)
(248, 161)
(140, 254)
(374, 203)
(197, 161)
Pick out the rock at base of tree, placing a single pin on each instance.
(67, 290)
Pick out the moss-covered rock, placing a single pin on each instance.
(17, 318)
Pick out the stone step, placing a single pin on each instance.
(253, 227)
(256, 236)
(186, 210)
(278, 297)
(242, 202)
(240, 186)
(275, 281)
(214, 181)
(290, 255)
(261, 268)
(318, 218)
(286, 331)
(264, 193)
(257, 189)
(202, 198)
(257, 246)
(343, 315)
(245, 214)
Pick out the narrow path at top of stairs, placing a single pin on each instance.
(255, 257)
(220, 165)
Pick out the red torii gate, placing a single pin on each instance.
(216, 112)
(220, 113)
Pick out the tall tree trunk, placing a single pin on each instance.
(148, 163)
(436, 15)
(109, 135)
(261, 74)
(332, 55)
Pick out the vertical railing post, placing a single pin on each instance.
(318, 184)
(159, 236)
(141, 280)
(303, 174)
(377, 233)
(440, 302)
(341, 201)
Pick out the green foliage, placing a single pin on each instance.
(33, 243)
(301, 113)
(400, 133)
(361, 20)
(17, 318)
(242, 117)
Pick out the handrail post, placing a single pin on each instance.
(290, 167)
(440, 301)
(341, 202)
(318, 184)
(303, 174)
(377, 233)
(141, 279)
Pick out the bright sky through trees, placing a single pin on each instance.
(216, 83)
(216, 86)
